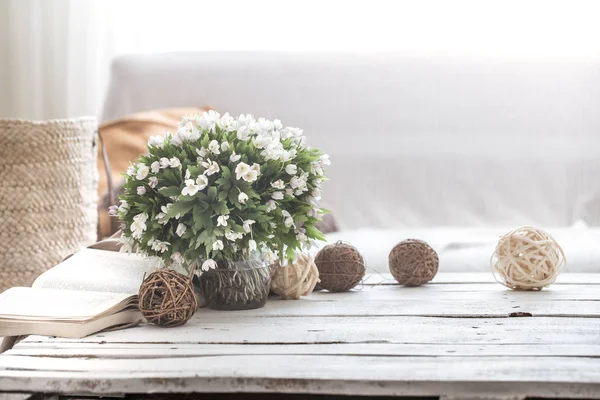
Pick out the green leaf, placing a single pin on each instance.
(170, 191)
(212, 193)
(222, 195)
(220, 208)
(197, 215)
(180, 208)
(226, 172)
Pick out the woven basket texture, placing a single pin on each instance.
(48, 199)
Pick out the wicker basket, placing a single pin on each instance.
(48, 203)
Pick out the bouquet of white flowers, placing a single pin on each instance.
(220, 188)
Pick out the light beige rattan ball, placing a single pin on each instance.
(295, 280)
(413, 262)
(527, 258)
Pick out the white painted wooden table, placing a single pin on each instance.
(454, 338)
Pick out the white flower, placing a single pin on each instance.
(185, 134)
(142, 172)
(202, 182)
(227, 122)
(181, 228)
(289, 192)
(291, 169)
(325, 159)
(288, 222)
(291, 132)
(139, 225)
(112, 211)
(277, 195)
(142, 217)
(126, 244)
(234, 157)
(241, 169)
(208, 120)
(233, 236)
(218, 245)
(141, 190)
(286, 213)
(159, 246)
(277, 125)
(316, 194)
(175, 163)
(155, 167)
(202, 152)
(190, 188)
(222, 220)
(124, 207)
(248, 225)
(188, 174)
(316, 168)
(225, 146)
(211, 167)
(165, 163)
(278, 184)
(213, 146)
(271, 205)
(177, 258)
(152, 181)
(301, 237)
(251, 245)
(137, 233)
(162, 216)
(209, 264)
(130, 170)
(260, 142)
(156, 141)
(298, 182)
(251, 175)
(242, 197)
(243, 132)
(298, 192)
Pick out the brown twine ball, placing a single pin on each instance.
(413, 262)
(341, 267)
(295, 280)
(167, 298)
(527, 258)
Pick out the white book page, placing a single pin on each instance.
(49, 304)
(97, 271)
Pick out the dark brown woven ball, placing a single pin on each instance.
(341, 267)
(167, 298)
(413, 262)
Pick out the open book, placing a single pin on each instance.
(93, 290)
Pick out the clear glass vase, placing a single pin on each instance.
(237, 285)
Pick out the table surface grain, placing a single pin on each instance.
(461, 336)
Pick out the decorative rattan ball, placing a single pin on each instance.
(295, 280)
(167, 298)
(527, 258)
(341, 267)
(413, 262)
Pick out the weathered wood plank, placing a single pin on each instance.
(433, 376)
(157, 350)
(482, 277)
(229, 328)
(467, 290)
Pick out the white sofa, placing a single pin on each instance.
(452, 150)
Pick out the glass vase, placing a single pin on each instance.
(237, 285)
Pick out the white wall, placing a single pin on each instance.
(56, 58)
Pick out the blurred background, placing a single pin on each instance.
(449, 121)
(55, 55)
